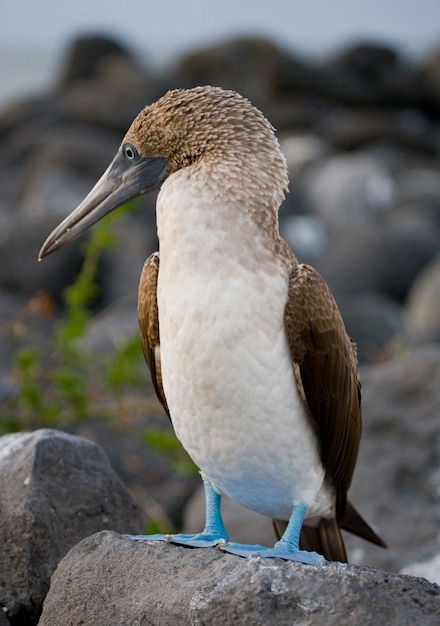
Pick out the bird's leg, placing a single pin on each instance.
(287, 547)
(213, 534)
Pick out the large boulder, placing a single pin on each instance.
(107, 579)
(396, 481)
(423, 305)
(56, 489)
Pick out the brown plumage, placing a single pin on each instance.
(227, 151)
(149, 324)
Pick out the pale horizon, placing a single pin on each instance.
(34, 35)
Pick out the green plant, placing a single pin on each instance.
(30, 399)
(122, 369)
(62, 383)
(58, 384)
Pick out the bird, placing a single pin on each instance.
(247, 350)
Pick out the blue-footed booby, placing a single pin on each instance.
(246, 347)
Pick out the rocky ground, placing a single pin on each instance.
(162, 584)
(361, 133)
(59, 492)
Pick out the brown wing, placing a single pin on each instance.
(149, 323)
(326, 369)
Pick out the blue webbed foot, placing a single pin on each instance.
(200, 540)
(287, 547)
(280, 550)
(213, 534)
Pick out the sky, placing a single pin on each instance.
(34, 33)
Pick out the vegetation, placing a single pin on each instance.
(58, 384)
(62, 383)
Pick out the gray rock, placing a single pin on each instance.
(383, 255)
(104, 83)
(417, 185)
(348, 187)
(3, 619)
(429, 568)
(430, 77)
(349, 129)
(107, 579)
(370, 72)
(374, 321)
(149, 474)
(306, 235)
(423, 305)
(56, 490)
(301, 150)
(87, 54)
(396, 481)
(224, 64)
(60, 170)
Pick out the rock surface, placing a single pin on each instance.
(396, 480)
(56, 489)
(423, 306)
(107, 579)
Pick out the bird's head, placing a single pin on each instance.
(181, 129)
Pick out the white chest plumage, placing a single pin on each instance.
(226, 366)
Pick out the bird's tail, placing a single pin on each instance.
(355, 523)
(326, 537)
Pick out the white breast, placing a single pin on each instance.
(226, 367)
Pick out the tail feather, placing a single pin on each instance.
(355, 523)
(326, 539)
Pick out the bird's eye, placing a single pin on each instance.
(130, 151)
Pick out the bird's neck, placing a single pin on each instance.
(204, 215)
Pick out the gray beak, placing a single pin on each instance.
(129, 175)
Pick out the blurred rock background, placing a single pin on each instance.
(361, 132)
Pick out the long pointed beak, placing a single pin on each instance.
(126, 178)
